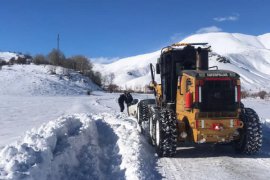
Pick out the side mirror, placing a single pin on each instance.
(158, 68)
(152, 85)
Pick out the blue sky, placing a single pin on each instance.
(121, 28)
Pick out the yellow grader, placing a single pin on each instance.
(196, 104)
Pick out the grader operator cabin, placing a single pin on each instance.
(196, 104)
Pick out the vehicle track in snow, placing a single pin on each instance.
(107, 103)
(109, 155)
(140, 161)
(214, 162)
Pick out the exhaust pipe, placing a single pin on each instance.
(198, 59)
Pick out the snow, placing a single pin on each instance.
(265, 40)
(99, 142)
(25, 112)
(249, 56)
(43, 153)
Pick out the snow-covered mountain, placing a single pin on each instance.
(245, 54)
(42, 80)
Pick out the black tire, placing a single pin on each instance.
(152, 122)
(251, 134)
(166, 134)
(242, 106)
(143, 118)
(143, 112)
(138, 120)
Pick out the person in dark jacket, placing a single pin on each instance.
(121, 100)
(129, 98)
(128, 101)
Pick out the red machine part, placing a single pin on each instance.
(188, 100)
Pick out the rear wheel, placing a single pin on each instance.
(143, 116)
(250, 141)
(165, 134)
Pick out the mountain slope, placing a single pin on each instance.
(248, 55)
(265, 40)
(130, 72)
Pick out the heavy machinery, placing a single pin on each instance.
(196, 104)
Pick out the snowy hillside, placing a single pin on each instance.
(6, 56)
(39, 80)
(248, 55)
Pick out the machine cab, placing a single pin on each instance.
(171, 64)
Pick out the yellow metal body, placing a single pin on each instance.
(200, 124)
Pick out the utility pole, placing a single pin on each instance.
(58, 42)
(58, 50)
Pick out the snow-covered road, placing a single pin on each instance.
(92, 140)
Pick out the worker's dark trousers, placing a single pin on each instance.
(122, 107)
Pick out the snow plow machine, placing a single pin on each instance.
(196, 104)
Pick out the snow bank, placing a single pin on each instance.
(104, 146)
(56, 150)
(138, 157)
(129, 143)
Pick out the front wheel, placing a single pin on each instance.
(165, 134)
(250, 141)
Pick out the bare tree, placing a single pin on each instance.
(111, 78)
(108, 79)
(56, 57)
(81, 64)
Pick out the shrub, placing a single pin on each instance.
(40, 59)
(20, 60)
(262, 94)
(95, 77)
(112, 88)
(2, 63)
(81, 63)
(89, 92)
(244, 94)
(12, 61)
